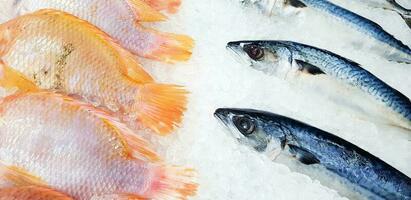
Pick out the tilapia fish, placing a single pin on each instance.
(120, 19)
(394, 49)
(31, 193)
(57, 51)
(55, 141)
(268, 132)
(270, 56)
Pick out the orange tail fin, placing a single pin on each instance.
(172, 183)
(170, 47)
(171, 6)
(160, 106)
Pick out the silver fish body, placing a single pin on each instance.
(267, 55)
(398, 52)
(310, 145)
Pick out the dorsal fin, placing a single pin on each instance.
(130, 66)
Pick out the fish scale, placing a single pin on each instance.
(265, 55)
(121, 20)
(58, 51)
(81, 151)
(353, 74)
(313, 146)
(360, 23)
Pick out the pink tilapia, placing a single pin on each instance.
(120, 19)
(55, 141)
(58, 51)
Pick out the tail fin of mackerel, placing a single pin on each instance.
(403, 12)
(407, 18)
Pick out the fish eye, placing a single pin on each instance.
(254, 52)
(245, 125)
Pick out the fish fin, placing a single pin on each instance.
(12, 79)
(303, 155)
(169, 47)
(403, 12)
(171, 182)
(296, 3)
(407, 19)
(132, 68)
(117, 197)
(144, 12)
(161, 106)
(171, 6)
(134, 146)
(32, 192)
(18, 176)
(398, 59)
(308, 68)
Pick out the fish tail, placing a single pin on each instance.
(403, 12)
(171, 182)
(170, 48)
(160, 106)
(171, 6)
(406, 17)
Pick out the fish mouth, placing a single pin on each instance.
(238, 53)
(221, 117)
(224, 118)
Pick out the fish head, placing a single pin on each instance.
(270, 57)
(252, 128)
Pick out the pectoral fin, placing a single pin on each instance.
(308, 68)
(296, 3)
(10, 78)
(303, 155)
(18, 176)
